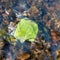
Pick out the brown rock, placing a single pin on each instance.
(23, 57)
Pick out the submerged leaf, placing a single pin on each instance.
(26, 30)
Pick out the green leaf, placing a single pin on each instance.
(26, 30)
